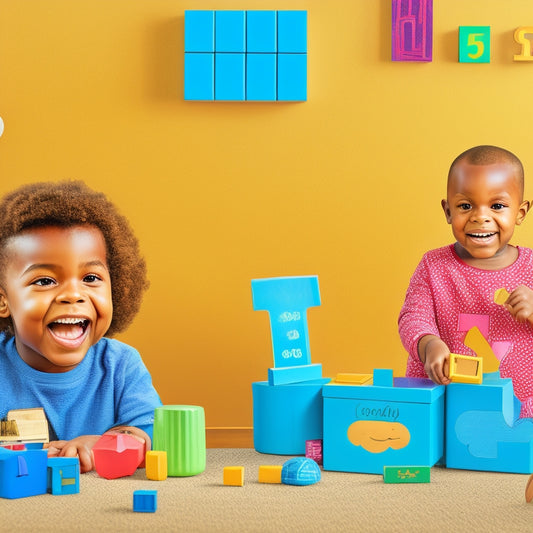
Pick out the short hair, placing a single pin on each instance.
(72, 203)
(490, 155)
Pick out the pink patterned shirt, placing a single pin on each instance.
(446, 297)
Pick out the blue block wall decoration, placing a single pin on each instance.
(483, 431)
(280, 36)
(367, 427)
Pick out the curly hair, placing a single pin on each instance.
(72, 203)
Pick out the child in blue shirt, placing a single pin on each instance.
(70, 273)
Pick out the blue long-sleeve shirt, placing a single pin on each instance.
(110, 387)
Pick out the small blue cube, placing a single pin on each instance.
(145, 501)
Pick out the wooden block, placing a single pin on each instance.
(234, 476)
(270, 473)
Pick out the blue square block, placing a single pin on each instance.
(63, 475)
(483, 431)
(22, 473)
(261, 32)
(199, 31)
(261, 78)
(292, 32)
(230, 31)
(199, 76)
(292, 77)
(145, 501)
(367, 427)
(230, 83)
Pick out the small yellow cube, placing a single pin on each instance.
(156, 465)
(234, 476)
(270, 474)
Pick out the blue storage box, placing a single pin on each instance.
(396, 422)
(285, 416)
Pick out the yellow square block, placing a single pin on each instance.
(270, 474)
(466, 369)
(156, 465)
(353, 379)
(234, 476)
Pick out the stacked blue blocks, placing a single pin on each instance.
(288, 407)
(245, 55)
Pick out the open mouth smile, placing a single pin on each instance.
(69, 331)
(486, 235)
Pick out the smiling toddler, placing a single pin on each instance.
(71, 275)
(455, 285)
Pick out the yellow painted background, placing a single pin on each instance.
(346, 186)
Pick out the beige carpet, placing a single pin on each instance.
(455, 500)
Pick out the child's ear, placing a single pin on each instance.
(446, 209)
(522, 212)
(4, 308)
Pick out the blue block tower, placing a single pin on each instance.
(245, 55)
(288, 408)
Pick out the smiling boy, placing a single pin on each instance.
(456, 284)
(70, 273)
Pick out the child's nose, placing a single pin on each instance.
(71, 292)
(480, 214)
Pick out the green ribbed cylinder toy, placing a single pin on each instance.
(179, 430)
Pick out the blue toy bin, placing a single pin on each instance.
(285, 416)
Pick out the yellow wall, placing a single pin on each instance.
(346, 186)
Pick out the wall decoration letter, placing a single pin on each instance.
(523, 37)
(412, 30)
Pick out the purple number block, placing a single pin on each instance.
(412, 30)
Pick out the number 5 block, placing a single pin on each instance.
(474, 44)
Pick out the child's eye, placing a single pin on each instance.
(91, 278)
(43, 282)
(498, 206)
(465, 207)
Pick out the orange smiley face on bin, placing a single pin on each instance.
(376, 436)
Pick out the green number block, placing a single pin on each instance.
(474, 44)
(406, 474)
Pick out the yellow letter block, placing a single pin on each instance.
(234, 475)
(156, 465)
(270, 474)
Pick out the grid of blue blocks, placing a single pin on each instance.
(246, 55)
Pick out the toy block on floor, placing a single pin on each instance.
(313, 450)
(117, 455)
(369, 426)
(406, 474)
(145, 501)
(465, 369)
(22, 473)
(233, 476)
(287, 299)
(270, 474)
(63, 475)
(156, 465)
(483, 429)
(179, 430)
(412, 30)
(300, 471)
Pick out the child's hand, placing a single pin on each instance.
(435, 355)
(79, 447)
(520, 304)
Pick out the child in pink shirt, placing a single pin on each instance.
(453, 287)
